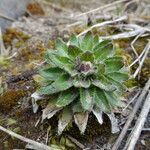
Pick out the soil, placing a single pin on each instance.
(29, 37)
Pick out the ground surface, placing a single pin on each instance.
(28, 38)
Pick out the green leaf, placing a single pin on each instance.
(113, 99)
(76, 107)
(61, 47)
(118, 76)
(101, 45)
(79, 82)
(87, 42)
(101, 100)
(86, 98)
(95, 41)
(73, 51)
(114, 64)
(61, 62)
(51, 73)
(119, 86)
(103, 50)
(64, 119)
(74, 41)
(66, 97)
(62, 83)
(100, 69)
(87, 56)
(47, 57)
(103, 85)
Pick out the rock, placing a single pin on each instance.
(12, 9)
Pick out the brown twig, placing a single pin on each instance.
(102, 7)
(134, 31)
(76, 142)
(24, 139)
(104, 23)
(7, 18)
(135, 134)
(131, 116)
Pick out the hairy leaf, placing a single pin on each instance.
(64, 120)
(103, 85)
(81, 120)
(95, 41)
(73, 51)
(76, 107)
(51, 73)
(87, 56)
(114, 64)
(113, 99)
(101, 100)
(87, 42)
(74, 41)
(62, 83)
(61, 62)
(119, 86)
(61, 47)
(86, 98)
(118, 76)
(100, 69)
(79, 82)
(103, 50)
(66, 98)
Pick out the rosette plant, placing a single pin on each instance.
(86, 76)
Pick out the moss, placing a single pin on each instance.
(51, 44)
(35, 9)
(12, 34)
(9, 99)
(78, 30)
(4, 62)
(125, 54)
(145, 72)
(32, 52)
(131, 83)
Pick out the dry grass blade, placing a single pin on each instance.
(134, 136)
(2, 47)
(132, 100)
(103, 24)
(76, 142)
(146, 49)
(136, 30)
(102, 7)
(131, 116)
(24, 139)
(7, 18)
(132, 45)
